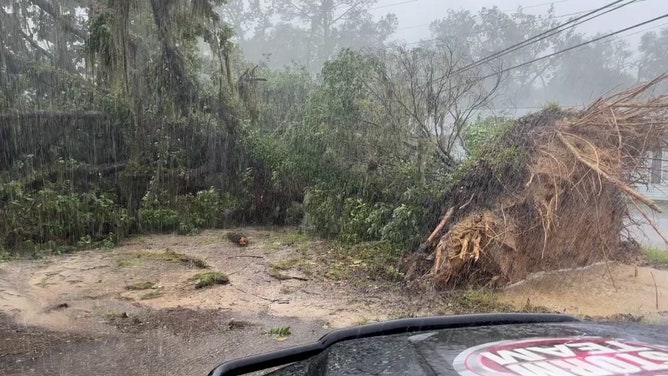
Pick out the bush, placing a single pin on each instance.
(159, 220)
(323, 211)
(363, 221)
(189, 214)
(208, 209)
(59, 217)
(403, 227)
(484, 132)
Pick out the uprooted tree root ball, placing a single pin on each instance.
(559, 200)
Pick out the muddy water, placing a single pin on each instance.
(599, 290)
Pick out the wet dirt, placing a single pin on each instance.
(601, 290)
(76, 315)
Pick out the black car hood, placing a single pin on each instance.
(558, 346)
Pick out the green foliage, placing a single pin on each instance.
(59, 217)
(159, 220)
(282, 99)
(362, 221)
(484, 132)
(323, 210)
(403, 228)
(402, 221)
(187, 214)
(657, 256)
(552, 106)
(498, 144)
(353, 190)
(207, 208)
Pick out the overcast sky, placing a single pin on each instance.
(415, 15)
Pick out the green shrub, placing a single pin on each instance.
(657, 256)
(56, 218)
(188, 228)
(483, 132)
(207, 209)
(323, 211)
(355, 220)
(159, 220)
(363, 221)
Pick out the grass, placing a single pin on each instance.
(166, 256)
(657, 257)
(480, 300)
(286, 264)
(301, 262)
(116, 315)
(141, 286)
(286, 239)
(369, 260)
(207, 279)
(151, 295)
(275, 273)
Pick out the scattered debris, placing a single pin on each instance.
(141, 286)
(152, 295)
(239, 324)
(58, 306)
(281, 333)
(276, 273)
(237, 238)
(169, 256)
(116, 315)
(206, 279)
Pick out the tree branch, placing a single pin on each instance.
(48, 8)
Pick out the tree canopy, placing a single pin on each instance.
(176, 115)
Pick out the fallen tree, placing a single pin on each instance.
(551, 192)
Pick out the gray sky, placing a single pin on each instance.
(415, 15)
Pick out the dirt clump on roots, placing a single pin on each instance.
(551, 192)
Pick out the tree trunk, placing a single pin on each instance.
(175, 77)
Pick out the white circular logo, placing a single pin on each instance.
(575, 356)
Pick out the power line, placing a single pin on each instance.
(541, 4)
(550, 32)
(501, 10)
(353, 6)
(391, 5)
(576, 46)
(500, 28)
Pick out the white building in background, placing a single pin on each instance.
(657, 171)
(657, 190)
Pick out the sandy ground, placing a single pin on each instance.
(73, 314)
(600, 290)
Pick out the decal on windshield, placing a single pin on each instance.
(580, 356)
